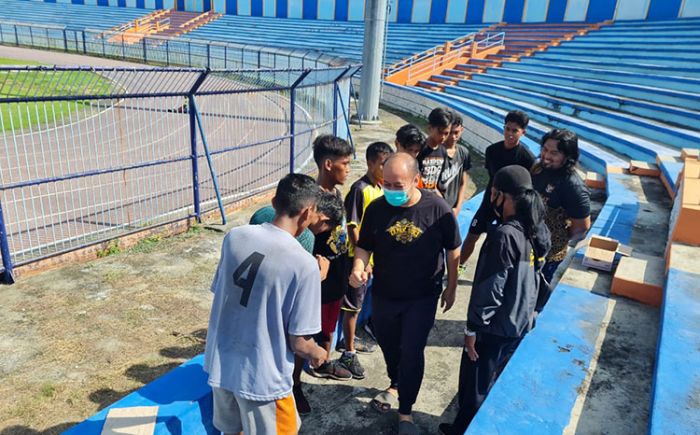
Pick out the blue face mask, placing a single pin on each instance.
(397, 198)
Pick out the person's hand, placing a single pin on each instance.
(448, 299)
(323, 265)
(320, 357)
(368, 269)
(358, 278)
(470, 346)
(455, 211)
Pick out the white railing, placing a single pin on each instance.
(456, 49)
(491, 40)
(431, 52)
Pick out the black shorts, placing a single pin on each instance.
(354, 298)
(483, 218)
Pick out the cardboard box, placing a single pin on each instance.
(640, 279)
(690, 153)
(595, 180)
(644, 169)
(601, 251)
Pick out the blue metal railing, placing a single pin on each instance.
(166, 51)
(93, 154)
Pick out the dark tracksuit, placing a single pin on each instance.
(501, 310)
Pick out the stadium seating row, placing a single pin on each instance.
(66, 14)
(334, 38)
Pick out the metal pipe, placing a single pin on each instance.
(370, 87)
(215, 182)
(5, 250)
(292, 120)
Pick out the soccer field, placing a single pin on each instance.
(15, 117)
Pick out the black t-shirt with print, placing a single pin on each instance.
(334, 245)
(497, 157)
(452, 173)
(566, 197)
(431, 162)
(408, 244)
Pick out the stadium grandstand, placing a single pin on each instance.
(623, 74)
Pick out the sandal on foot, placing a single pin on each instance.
(407, 428)
(384, 401)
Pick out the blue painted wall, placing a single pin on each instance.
(600, 10)
(513, 12)
(664, 9)
(556, 11)
(475, 11)
(432, 11)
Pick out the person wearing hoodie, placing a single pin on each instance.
(504, 298)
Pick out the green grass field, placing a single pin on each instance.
(22, 116)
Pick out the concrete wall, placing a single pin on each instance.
(435, 11)
(476, 134)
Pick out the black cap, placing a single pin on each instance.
(512, 179)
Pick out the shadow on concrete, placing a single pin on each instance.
(447, 333)
(619, 395)
(352, 414)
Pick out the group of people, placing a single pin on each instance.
(277, 299)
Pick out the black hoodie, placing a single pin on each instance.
(505, 287)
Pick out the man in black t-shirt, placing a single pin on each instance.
(507, 152)
(431, 159)
(454, 177)
(563, 192)
(408, 230)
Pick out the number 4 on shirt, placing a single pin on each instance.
(250, 264)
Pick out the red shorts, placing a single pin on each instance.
(329, 318)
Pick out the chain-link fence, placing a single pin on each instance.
(179, 51)
(91, 154)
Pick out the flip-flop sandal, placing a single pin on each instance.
(384, 401)
(407, 428)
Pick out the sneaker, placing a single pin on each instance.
(333, 370)
(303, 407)
(351, 362)
(362, 345)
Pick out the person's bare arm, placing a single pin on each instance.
(353, 234)
(306, 348)
(358, 275)
(460, 194)
(578, 229)
(450, 293)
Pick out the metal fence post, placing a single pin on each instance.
(292, 128)
(215, 182)
(65, 41)
(336, 93)
(167, 52)
(82, 32)
(5, 249)
(16, 36)
(189, 53)
(193, 144)
(145, 55)
(208, 56)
